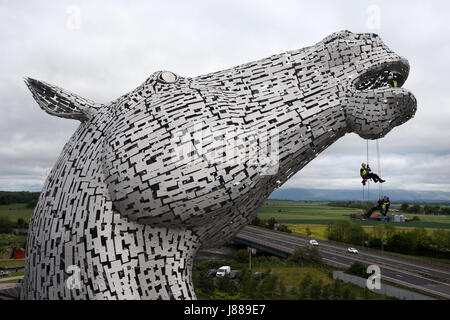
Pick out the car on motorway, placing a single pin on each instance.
(313, 243)
(352, 250)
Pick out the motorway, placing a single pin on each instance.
(432, 279)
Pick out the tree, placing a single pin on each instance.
(307, 255)
(419, 239)
(268, 284)
(20, 222)
(429, 209)
(315, 291)
(281, 288)
(347, 294)
(304, 288)
(225, 284)
(346, 231)
(241, 256)
(400, 243)
(306, 281)
(308, 232)
(337, 289)
(441, 239)
(249, 284)
(203, 282)
(326, 292)
(32, 203)
(357, 234)
(415, 209)
(404, 207)
(271, 223)
(380, 233)
(283, 228)
(6, 226)
(256, 222)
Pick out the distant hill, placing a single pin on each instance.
(356, 195)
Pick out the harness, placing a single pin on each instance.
(364, 172)
(394, 84)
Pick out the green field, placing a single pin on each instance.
(16, 211)
(291, 212)
(286, 212)
(12, 263)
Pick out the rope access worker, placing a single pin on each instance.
(366, 174)
(392, 82)
(382, 205)
(385, 207)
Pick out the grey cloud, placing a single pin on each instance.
(121, 43)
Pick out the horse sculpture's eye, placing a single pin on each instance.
(167, 77)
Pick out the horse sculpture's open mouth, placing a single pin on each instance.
(374, 106)
(377, 76)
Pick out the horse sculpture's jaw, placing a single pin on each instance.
(183, 163)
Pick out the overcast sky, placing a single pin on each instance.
(103, 49)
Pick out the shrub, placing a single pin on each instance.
(225, 284)
(347, 294)
(257, 222)
(315, 291)
(336, 290)
(326, 292)
(241, 256)
(358, 269)
(6, 226)
(203, 282)
(32, 203)
(271, 223)
(283, 228)
(268, 284)
(307, 256)
(346, 231)
(21, 222)
(404, 207)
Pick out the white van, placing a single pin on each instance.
(223, 271)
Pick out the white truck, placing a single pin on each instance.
(223, 271)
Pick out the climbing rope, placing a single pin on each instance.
(368, 181)
(380, 191)
(380, 188)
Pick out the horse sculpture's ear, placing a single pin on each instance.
(61, 103)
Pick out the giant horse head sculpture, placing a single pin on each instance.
(184, 163)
